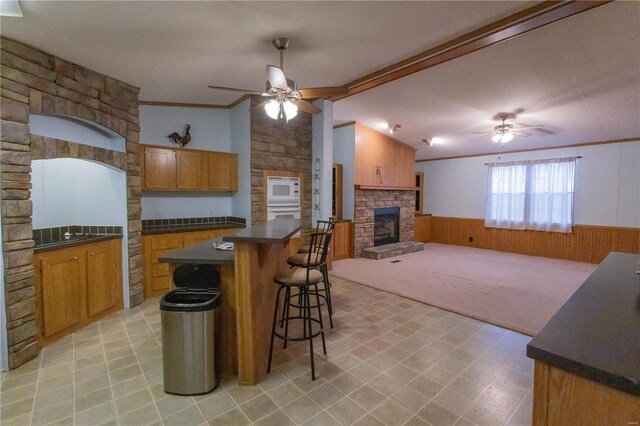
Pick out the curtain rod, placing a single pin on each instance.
(486, 164)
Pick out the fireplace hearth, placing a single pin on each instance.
(386, 226)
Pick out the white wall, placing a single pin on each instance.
(240, 135)
(322, 149)
(77, 192)
(607, 183)
(344, 152)
(210, 131)
(75, 130)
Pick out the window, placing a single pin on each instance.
(531, 195)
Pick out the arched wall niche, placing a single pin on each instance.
(35, 82)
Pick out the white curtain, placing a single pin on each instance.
(531, 195)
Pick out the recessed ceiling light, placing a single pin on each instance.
(10, 8)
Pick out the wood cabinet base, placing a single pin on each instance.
(562, 398)
(76, 286)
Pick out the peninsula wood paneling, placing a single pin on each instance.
(587, 243)
(562, 398)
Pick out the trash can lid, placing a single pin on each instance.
(196, 276)
(190, 300)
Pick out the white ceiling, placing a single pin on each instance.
(579, 77)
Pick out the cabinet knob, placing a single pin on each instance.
(92, 254)
(75, 257)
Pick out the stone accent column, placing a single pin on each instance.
(33, 81)
(276, 145)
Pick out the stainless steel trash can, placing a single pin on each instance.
(188, 340)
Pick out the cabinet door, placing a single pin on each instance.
(101, 279)
(193, 238)
(159, 168)
(61, 293)
(342, 240)
(223, 171)
(192, 170)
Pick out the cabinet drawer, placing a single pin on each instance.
(165, 242)
(161, 283)
(160, 270)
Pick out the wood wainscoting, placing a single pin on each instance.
(587, 243)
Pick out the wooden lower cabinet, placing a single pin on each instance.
(61, 291)
(157, 275)
(342, 240)
(563, 398)
(76, 286)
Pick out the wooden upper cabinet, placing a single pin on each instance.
(62, 294)
(223, 171)
(188, 170)
(102, 273)
(159, 168)
(382, 161)
(192, 170)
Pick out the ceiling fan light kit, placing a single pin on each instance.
(286, 98)
(503, 133)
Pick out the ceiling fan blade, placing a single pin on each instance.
(276, 78)
(523, 134)
(260, 105)
(527, 126)
(235, 89)
(479, 133)
(473, 140)
(306, 106)
(322, 92)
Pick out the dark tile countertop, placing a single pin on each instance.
(168, 229)
(72, 242)
(595, 334)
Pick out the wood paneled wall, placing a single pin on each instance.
(587, 243)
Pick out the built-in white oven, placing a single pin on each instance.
(283, 191)
(284, 212)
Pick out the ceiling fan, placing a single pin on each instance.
(283, 96)
(503, 133)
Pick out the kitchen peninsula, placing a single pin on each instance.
(586, 357)
(248, 292)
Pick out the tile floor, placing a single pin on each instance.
(391, 361)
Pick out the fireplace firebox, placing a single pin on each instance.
(386, 226)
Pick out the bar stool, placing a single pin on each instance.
(300, 260)
(302, 279)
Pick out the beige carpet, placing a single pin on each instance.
(510, 290)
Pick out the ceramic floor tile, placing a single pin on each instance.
(412, 352)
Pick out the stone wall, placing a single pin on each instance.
(33, 81)
(276, 145)
(368, 200)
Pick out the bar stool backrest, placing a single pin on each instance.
(321, 241)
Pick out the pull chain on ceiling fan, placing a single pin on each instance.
(285, 97)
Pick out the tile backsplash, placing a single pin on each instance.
(56, 234)
(185, 221)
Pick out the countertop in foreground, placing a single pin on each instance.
(596, 333)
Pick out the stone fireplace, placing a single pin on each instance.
(366, 203)
(386, 226)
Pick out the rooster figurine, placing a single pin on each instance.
(181, 140)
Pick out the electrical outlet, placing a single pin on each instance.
(470, 239)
